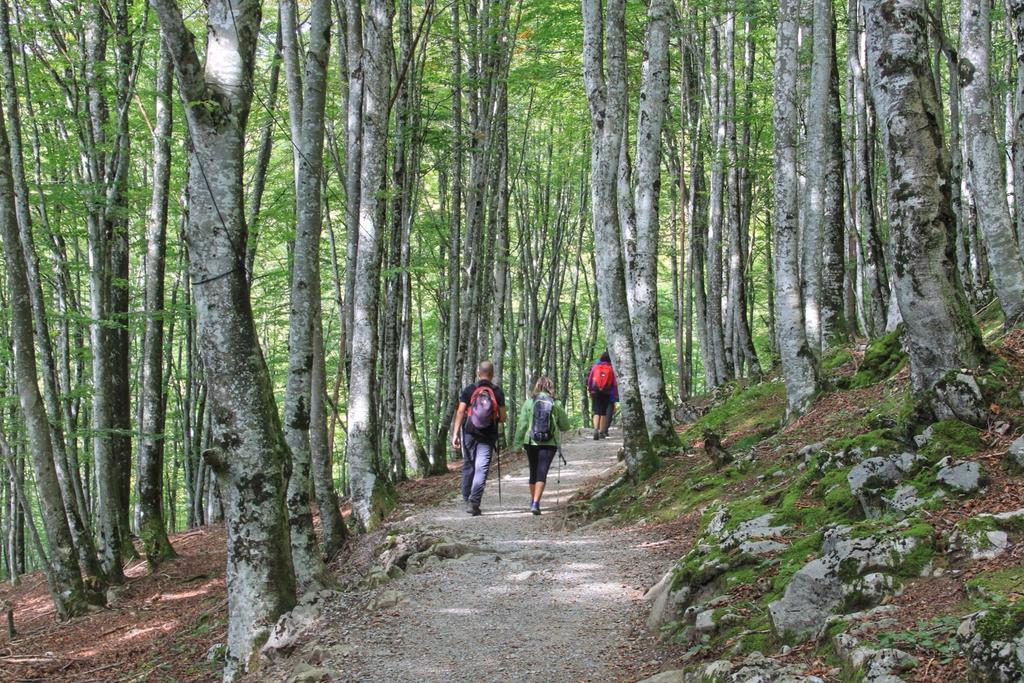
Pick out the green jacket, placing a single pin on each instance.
(559, 419)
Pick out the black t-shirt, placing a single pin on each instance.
(491, 434)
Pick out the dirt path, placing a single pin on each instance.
(536, 602)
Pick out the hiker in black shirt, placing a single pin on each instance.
(475, 432)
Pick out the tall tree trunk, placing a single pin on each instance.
(984, 164)
(306, 558)
(64, 578)
(940, 332)
(152, 529)
(604, 74)
(248, 454)
(799, 367)
(825, 183)
(642, 258)
(369, 499)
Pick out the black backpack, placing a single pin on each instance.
(540, 428)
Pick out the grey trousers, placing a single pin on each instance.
(476, 462)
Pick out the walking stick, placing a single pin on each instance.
(497, 454)
(558, 480)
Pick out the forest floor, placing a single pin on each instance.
(534, 597)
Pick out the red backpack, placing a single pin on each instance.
(602, 378)
(482, 410)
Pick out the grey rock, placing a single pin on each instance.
(756, 668)
(997, 661)
(960, 398)
(903, 499)
(717, 523)
(386, 600)
(306, 673)
(1015, 455)
(924, 437)
(869, 566)
(705, 621)
(676, 676)
(754, 529)
(964, 477)
(870, 478)
(664, 602)
(810, 450)
(761, 548)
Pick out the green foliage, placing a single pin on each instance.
(937, 635)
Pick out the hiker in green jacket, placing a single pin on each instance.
(542, 419)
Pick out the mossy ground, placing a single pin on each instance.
(870, 408)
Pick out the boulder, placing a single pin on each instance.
(903, 499)
(959, 397)
(993, 654)
(664, 602)
(387, 599)
(1015, 456)
(755, 668)
(307, 673)
(964, 477)
(755, 529)
(871, 478)
(869, 664)
(292, 627)
(851, 572)
(924, 437)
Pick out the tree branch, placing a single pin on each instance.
(181, 43)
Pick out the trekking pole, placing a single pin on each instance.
(498, 456)
(558, 480)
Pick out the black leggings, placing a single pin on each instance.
(540, 458)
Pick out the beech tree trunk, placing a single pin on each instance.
(309, 146)
(248, 454)
(604, 77)
(368, 483)
(941, 334)
(63, 575)
(641, 253)
(984, 159)
(799, 367)
(152, 530)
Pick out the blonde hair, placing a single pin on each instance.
(544, 385)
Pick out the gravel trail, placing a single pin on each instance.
(535, 601)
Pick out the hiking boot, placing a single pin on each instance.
(597, 435)
(475, 510)
(535, 507)
(469, 508)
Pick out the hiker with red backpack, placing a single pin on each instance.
(475, 433)
(542, 419)
(603, 388)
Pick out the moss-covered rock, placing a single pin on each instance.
(883, 358)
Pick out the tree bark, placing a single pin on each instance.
(798, 364)
(369, 487)
(984, 163)
(309, 146)
(642, 284)
(604, 77)
(249, 454)
(152, 529)
(825, 185)
(65, 580)
(941, 334)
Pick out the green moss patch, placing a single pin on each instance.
(883, 358)
(755, 410)
(952, 437)
(1002, 623)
